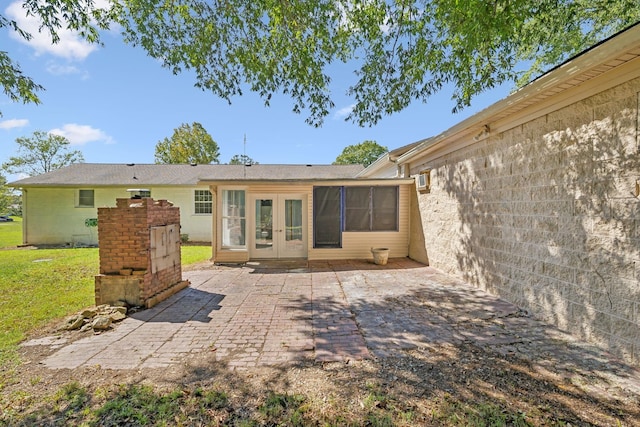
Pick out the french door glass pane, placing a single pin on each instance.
(293, 224)
(264, 223)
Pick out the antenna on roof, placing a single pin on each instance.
(244, 156)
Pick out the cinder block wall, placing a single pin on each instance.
(125, 242)
(544, 214)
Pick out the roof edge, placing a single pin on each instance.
(592, 57)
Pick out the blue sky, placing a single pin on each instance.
(114, 104)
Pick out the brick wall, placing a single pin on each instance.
(545, 215)
(125, 244)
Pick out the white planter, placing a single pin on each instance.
(380, 255)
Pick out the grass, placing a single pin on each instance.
(453, 412)
(38, 286)
(11, 233)
(140, 405)
(195, 254)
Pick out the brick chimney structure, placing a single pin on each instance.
(139, 246)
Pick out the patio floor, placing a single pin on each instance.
(269, 313)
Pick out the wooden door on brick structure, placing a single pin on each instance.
(165, 247)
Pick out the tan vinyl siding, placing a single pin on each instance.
(358, 244)
(231, 255)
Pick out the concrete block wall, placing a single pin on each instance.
(545, 215)
(125, 243)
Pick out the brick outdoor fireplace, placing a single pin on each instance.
(139, 252)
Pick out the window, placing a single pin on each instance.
(360, 208)
(145, 193)
(327, 219)
(424, 181)
(202, 202)
(371, 208)
(357, 209)
(233, 219)
(85, 199)
(384, 208)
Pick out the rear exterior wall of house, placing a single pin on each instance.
(546, 215)
(52, 215)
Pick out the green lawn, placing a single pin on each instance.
(38, 286)
(11, 233)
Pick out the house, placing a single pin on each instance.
(536, 198)
(252, 211)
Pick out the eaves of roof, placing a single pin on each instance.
(613, 52)
(109, 175)
(358, 181)
(386, 158)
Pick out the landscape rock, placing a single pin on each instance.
(89, 313)
(96, 318)
(100, 323)
(119, 309)
(74, 322)
(117, 316)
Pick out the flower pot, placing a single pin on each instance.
(380, 255)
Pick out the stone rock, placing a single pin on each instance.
(89, 313)
(74, 322)
(117, 316)
(118, 309)
(101, 323)
(96, 318)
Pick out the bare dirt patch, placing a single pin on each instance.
(443, 385)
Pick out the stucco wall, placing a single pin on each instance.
(52, 218)
(545, 215)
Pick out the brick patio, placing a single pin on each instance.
(271, 313)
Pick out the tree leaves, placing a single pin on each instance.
(364, 154)
(188, 144)
(242, 159)
(401, 51)
(41, 153)
(404, 51)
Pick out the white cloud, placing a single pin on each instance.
(82, 134)
(71, 46)
(344, 112)
(13, 123)
(59, 69)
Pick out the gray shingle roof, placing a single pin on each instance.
(102, 174)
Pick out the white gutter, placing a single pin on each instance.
(381, 162)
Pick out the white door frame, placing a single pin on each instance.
(280, 247)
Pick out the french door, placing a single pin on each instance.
(279, 226)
